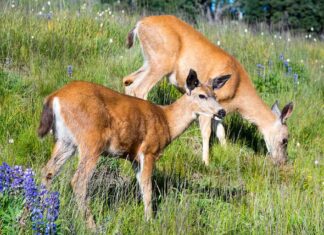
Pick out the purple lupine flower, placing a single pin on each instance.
(286, 63)
(69, 70)
(289, 70)
(260, 70)
(17, 178)
(5, 175)
(270, 63)
(281, 57)
(296, 82)
(42, 205)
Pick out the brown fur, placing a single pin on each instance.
(171, 46)
(96, 120)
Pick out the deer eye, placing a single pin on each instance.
(202, 96)
(284, 141)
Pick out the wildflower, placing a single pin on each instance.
(281, 57)
(316, 162)
(43, 8)
(245, 30)
(122, 11)
(101, 25)
(110, 40)
(218, 43)
(49, 3)
(298, 144)
(12, 5)
(260, 70)
(270, 63)
(288, 60)
(289, 70)
(109, 12)
(301, 61)
(32, 37)
(310, 36)
(288, 40)
(11, 141)
(306, 36)
(322, 66)
(296, 82)
(315, 39)
(69, 70)
(262, 33)
(275, 36)
(286, 63)
(280, 37)
(312, 29)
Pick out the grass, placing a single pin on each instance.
(240, 192)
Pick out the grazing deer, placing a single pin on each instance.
(96, 120)
(170, 47)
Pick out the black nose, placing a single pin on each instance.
(221, 113)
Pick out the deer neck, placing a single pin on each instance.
(252, 108)
(179, 116)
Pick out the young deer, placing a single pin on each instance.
(170, 47)
(96, 120)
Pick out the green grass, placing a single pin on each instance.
(240, 192)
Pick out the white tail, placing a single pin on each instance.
(170, 47)
(93, 120)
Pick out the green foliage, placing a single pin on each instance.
(11, 210)
(299, 15)
(241, 192)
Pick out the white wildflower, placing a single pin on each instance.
(109, 12)
(298, 144)
(218, 43)
(262, 33)
(245, 30)
(306, 36)
(110, 40)
(322, 66)
(310, 36)
(43, 8)
(13, 5)
(312, 29)
(123, 11)
(314, 39)
(40, 13)
(301, 61)
(288, 60)
(316, 162)
(280, 37)
(11, 141)
(49, 3)
(275, 36)
(101, 25)
(32, 37)
(288, 40)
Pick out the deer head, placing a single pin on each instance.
(203, 97)
(276, 136)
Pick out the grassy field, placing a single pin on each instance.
(241, 192)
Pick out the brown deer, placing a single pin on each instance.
(95, 120)
(170, 47)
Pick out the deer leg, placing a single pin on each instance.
(143, 81)
(80, 183)
(143, 169)
(62, 151)
(205, 128)
(220, 133)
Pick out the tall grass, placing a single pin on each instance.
(240, 192)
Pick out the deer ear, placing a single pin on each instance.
(192, 80)
(286, 112)
(275, 109)
(219, 82)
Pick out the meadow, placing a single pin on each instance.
(241, 192)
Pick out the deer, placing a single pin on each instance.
(170, 46)
(93, 120)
